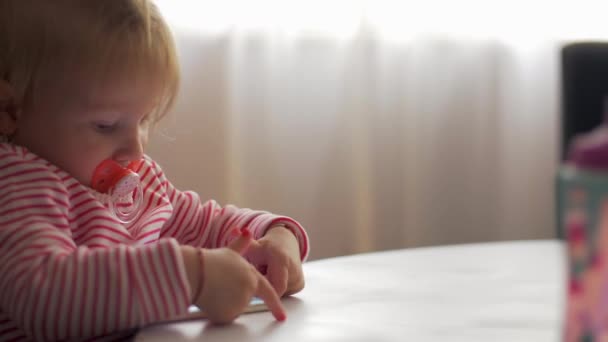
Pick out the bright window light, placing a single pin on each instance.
(395, 19)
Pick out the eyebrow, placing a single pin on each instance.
(95, 103)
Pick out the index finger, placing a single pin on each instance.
(267, 293)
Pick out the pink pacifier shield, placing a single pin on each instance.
(111, 176)
(123, 187)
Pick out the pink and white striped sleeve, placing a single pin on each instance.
(209, 225)
(53, 289)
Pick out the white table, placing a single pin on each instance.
(510, 291)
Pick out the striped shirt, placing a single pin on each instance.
(70, 270)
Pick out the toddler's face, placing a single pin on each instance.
(76, 126)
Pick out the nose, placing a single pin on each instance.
(131, 148)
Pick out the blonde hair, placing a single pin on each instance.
(103, 40)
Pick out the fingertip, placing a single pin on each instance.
(240, 244)
(267, 293)
(279, 313)
(245, 232)
(235, 232)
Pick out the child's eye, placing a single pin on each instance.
(104, 127)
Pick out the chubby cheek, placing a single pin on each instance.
(81, 159)
(63, 151)
(84, 171)
(80, 166)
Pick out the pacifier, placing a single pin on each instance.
(119, 183)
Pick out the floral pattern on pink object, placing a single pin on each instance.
(587, 295)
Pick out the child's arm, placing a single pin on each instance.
(209, 225)
(54, 290)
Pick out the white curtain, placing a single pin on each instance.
(373, 132)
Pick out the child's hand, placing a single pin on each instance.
(277, 256)
(230, 282)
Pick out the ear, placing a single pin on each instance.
(8, 110)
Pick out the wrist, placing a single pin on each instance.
(279, 230)
(193, 263)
